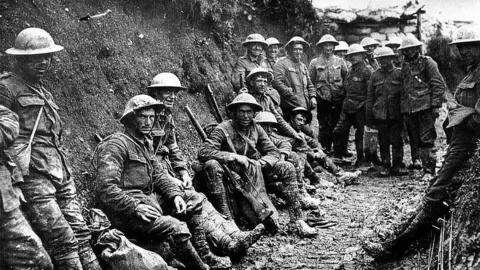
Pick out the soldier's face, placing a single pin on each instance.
(260, 84)
(328, 48)
(394, 47)
(35, 66)
(385, 62)
(370, 49)
(267, 127)
(143, 120)
(355, 58)
(166, 95)
(272, 51)
(297, 52)
(299, 121)
(244, 115)
(255, 49)
(470, 53)
(411, 52)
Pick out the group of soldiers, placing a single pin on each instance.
(143, 183)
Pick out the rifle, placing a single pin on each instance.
(218, 116)
(260, 208)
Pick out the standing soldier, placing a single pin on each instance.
(20, 246)
(465, 122)
(422, 97)
(272, 52)
(370, 44)
(327, 72)
(394, 44)
(255, 44)
(353, 109)
(383, 111)
(250, 154)
(291, 78)
(49, 190)
(341, 50)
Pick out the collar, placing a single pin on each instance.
(141, 139)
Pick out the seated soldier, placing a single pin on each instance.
(268, 122)
(224, 233)
(248, 153)
(139, 198)
(310, 150)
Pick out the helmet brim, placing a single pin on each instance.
(304, 43)
(325, 42)
(245, 43)
(51, 49)
(277, 43)
(386, 55)
(410, 46)
(352, 53)
(264, 73)
(161, 86)
(256, 107)
(157, 107)
(470, 40)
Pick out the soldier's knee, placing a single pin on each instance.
(212, 165)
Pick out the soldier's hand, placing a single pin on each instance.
(180, 205)
(187, 180)
(297, 136)
(147, 212)
(313, 103)
(435, 113)
(19, 194)
(243, 160)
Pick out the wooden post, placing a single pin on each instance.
(419, 24)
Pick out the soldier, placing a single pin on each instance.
(465, 122)
(370, 44)
(383, 111)
(394, 44)
(309, 149)
(268, 122)
(49, 190)
(353, 109)
(249, 153)
(255, 44)
(422, 97)
(21, 247)
(272, 52)
(165, 88)
(327, 72)
(340, 51)
(291, 78)
(137, 194)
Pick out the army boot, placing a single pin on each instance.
(87, 258)
(199, 241)
(243, 240)
(386, 162)
(187, 255)
(297, 218)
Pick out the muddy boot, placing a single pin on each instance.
(301, 228)
(187, 255)
(415, 165)
(88, 259)
(348, 178)
(309, 203)
(397, 154)
(297, 223)
(384, 171)
(199, 241)
(244, 240)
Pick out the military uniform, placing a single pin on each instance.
(327, 76)
(423, 90)
(353, 109)
(21, 247)
(383, 110)
(292, 82)
(49, 189)
(465, 133)
(242, 68)
(372, 64)
(256, 146)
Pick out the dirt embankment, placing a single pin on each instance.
(108, 60)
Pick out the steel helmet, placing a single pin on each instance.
(300, 40)
(355, 48)
(327, 39)
(166, 80)
(410, 41)
(303, 111)
(368, 41)
(259, 70)
(140, 102)
(273, 41)
(342, 46)
(31, 41)
(255, 38)
(383, 52)
(394, 42)
(467, 34)
(244, 99)
(265, 117)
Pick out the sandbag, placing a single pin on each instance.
(121, 254)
